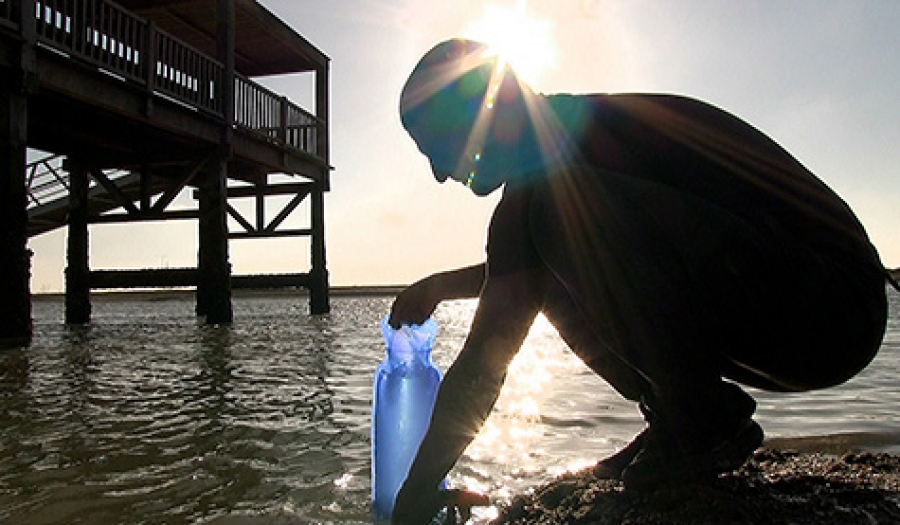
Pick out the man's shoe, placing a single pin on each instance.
(661, 461)
(613, 466)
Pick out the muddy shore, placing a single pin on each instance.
(773, 487)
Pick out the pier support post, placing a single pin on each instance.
(318, 277)
(214, 275)
(318, 288)
(78, 288)
(15, 258)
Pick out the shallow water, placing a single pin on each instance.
(148, 416)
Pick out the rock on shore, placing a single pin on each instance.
(773, 487)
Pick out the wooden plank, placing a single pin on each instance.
(300, 232)
(145, 278)
(118, 218)
(286, 211)
(187, 277)
(177, 186)
(113, 190)
(292, 280)
(236, 215)
(237, 192)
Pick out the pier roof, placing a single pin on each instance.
(264, 44)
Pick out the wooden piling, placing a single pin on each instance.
(78, 287)
(214, 276)
(15, 258)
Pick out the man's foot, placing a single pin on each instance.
(612, 467)
(661, 461)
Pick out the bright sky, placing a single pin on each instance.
(819, 77)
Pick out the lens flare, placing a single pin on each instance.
(518, 37)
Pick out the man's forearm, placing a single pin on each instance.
(465, 401)
(505, 312)
(464, 283)
(417, 302)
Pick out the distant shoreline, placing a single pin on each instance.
(185, 293)
(388, 290)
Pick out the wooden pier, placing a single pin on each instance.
(137, 100)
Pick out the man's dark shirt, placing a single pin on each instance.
(690, 147)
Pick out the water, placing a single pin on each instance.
(148, 416)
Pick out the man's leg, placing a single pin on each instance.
(636, 258)
(815, 323)
(574, 328)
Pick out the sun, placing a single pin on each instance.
(518, 37)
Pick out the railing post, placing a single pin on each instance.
(28, 32)
(149, 54)
(225, 54)
(283, 129)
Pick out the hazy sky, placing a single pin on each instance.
(821, 78)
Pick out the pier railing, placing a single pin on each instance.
(47, 181)
(102, 34)
(273, 116)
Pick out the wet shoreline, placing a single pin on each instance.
(774, 486)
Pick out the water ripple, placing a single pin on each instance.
(149, 416)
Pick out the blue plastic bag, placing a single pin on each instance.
(405, 387)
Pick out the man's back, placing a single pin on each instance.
(701, 150)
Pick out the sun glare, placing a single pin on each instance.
(518, 37)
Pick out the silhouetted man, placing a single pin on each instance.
(677, 250)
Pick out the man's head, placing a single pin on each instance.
(459, 105)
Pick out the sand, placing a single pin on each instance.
(773, 487)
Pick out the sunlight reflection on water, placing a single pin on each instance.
(547, 420)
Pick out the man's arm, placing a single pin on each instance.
(416, 304)
(505, 313)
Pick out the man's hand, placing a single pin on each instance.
(414, 305)
(458, 503)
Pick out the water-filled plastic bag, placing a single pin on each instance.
(406, 385)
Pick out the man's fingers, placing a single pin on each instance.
(461, 502)
(465, 498)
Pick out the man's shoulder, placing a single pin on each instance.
(577, 110)
(623, 98)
